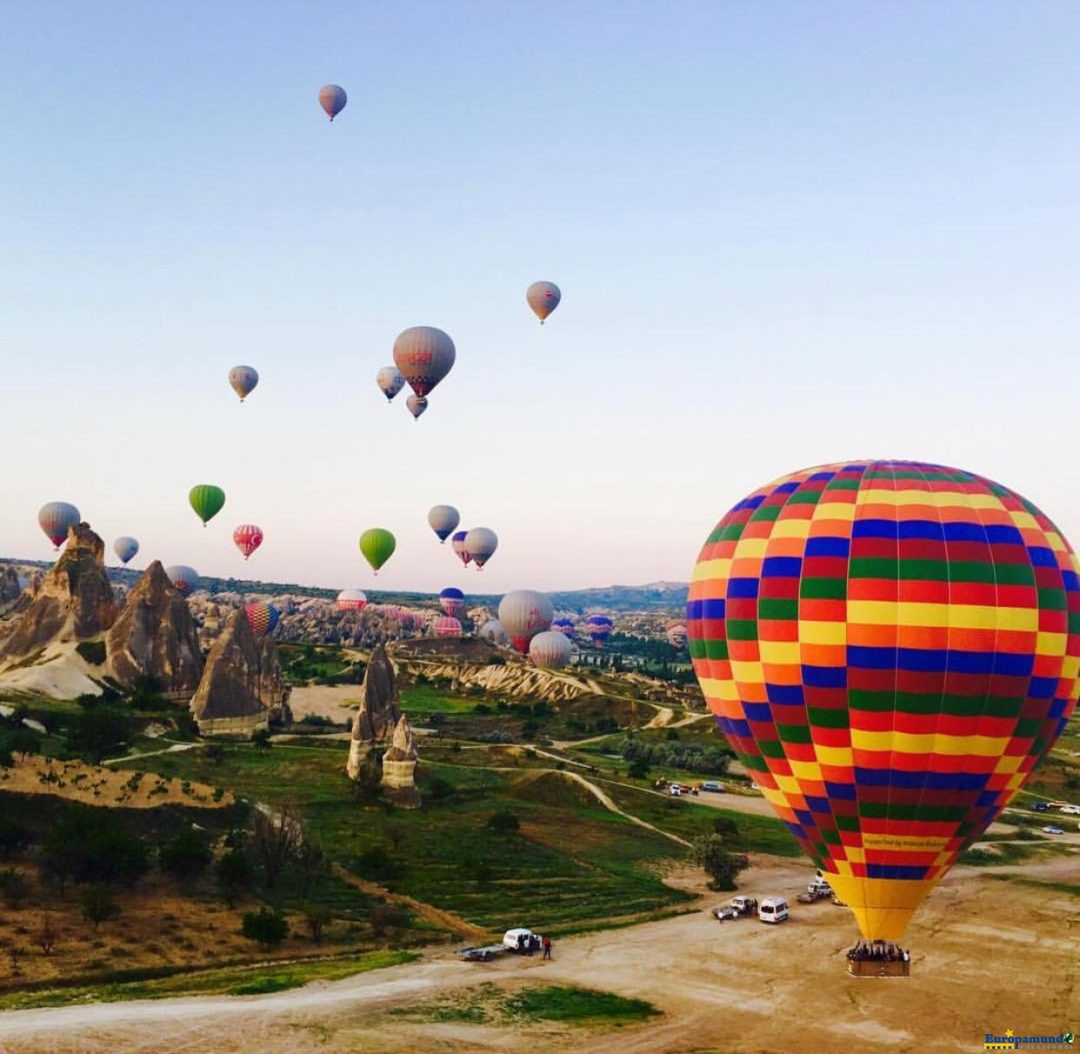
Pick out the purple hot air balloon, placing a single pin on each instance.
(599, 628)
(452, 601)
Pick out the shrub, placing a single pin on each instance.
(92, 651)
(98, 905)
(24, 742)
(386, 917)
(439, 789)
(92, 846)
(710, 853)
(260, 738)
(186, 856)
(266, 927)
(235, 875)
(97, 732)
(377, 863)
(14, 837)
(504, 821)
(13, 887)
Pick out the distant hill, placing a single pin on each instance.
(655, 596)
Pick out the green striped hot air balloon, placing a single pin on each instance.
(207, 501)
(377, 545)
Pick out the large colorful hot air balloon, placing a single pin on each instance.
(550, 650)
(890, 647)
(524, 613)
(543, 298)
(443, 520)
(262, 618)
(378, 546)
(676, 635)
(493, 631)
(55, 518)
(599, 628)
(207, 501)
(452, 601)
(183, 577)
(390, 381)
(458, 544)
(247, 538)
(480, 544)
(424, 355)
(125, 548)
(243, 380)
(332, 99)
(564, 626)
(351, 600)
(444, 626)
(416, 404)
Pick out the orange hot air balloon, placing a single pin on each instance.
(890, 647)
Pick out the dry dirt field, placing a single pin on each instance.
(988, 954)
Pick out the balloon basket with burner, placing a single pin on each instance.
(878, 959)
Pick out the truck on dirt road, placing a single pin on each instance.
(518, 941)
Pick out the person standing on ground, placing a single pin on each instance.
(547, 947)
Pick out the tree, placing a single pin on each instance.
(266, 927)
(710, 853)
(13, 887)
(386, 917)
(24, 743)
(235, 875)
(504, 822)
(186, 856)
(98, 905)
(275, 839)
(639, 769)
(91, 846)
(97, 732)
(310, 864)
(369, 778)
(14, 837)
(260, 739)
(316, 916)
(46, 936)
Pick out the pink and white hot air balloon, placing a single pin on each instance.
(247, 538)
(524, 613)
(351, 600)
(445, 626)
(550, 650)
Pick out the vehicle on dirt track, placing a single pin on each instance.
(1041, 806)
(712, 785)
(773, 909)
(740, 907)
(1052, 829)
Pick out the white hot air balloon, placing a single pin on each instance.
(543, 298)
(390, 381)
(550, 650)
(524, 613)
(443, 520)
(125, 548)
(480, 544)
(351, 600)
(493, 631)
(424, 355)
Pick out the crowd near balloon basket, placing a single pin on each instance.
(878, 959)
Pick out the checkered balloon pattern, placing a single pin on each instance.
(889, 647)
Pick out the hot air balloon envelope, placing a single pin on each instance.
(247, 538)
(351, 600)
(207, 501)
(452, 601)
(443, 520)
(332, 99)
(183, 577)
(890, 647)
(550, 650)
(417, 405)
(458, 544)
(55, 519)
(243, 380)
(125, 548)
(444, 626)
(599, 628)
(543, 298)
(480, 544)
(424, 355)
(378, 546)
(390, 381)
(524, 613)
(262, 618)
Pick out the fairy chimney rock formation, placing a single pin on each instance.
(241, 684)
(155, 636)
(73, 603)
(399, 766)
(379, 713)
(9, 585)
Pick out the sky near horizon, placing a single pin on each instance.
(786, 234)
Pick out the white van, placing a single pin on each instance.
(773, 909)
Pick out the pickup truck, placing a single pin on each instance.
(740, 907)
(816, 890)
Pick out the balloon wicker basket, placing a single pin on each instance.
(879, 961)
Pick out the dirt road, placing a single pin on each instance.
(988, 954)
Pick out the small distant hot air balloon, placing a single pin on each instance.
(262, 618)
(524, 613)
(125, 548)
(55, 519)
(458, 543)
(183, 577)
(493, 631)
(424, 355)
(550, 650)
(543, 298)
(247, 538)
(417, 405)
(676, 635)
(599, 628)
(443, 520)
(377, 545)
(564, 626)
(444, 626)
(351, 600)
(480, 544)
(207, 501)
(332, 99)
(390, 381)
(452, 601)
(243, 380)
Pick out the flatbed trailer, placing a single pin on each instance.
(484, 954)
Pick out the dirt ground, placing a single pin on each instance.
(328, 701)
(988, 955)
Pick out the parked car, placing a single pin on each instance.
(1041, 806)
(712, 785)
(1070, 810)
(773, 909)
(675, 790)
(724, 912)
(1051, 829)
(744, 905)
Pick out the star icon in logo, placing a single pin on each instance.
(1010, 1033)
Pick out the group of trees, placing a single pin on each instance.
(691, 757)
(717, 854)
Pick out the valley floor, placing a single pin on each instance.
(989, 953)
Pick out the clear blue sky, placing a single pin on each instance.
(786, 233)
